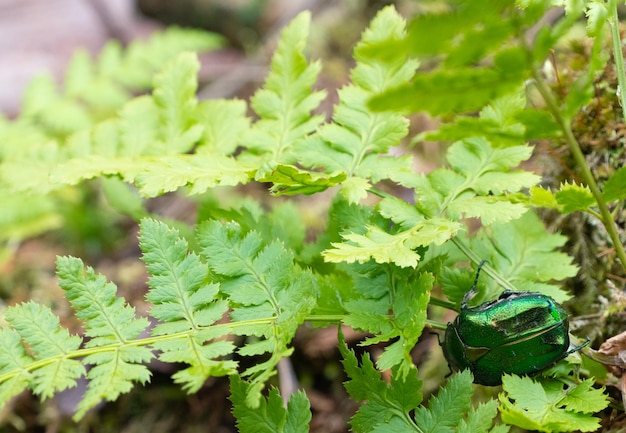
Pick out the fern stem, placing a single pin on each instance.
(618, 55)
(436, 325)
(441, 303)
(380, 193)
(585, 171)
(502, 282)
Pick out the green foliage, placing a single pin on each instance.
(522, 253)
(64, 135)
(388, 406)
(110, 323)
(551, 406)
(261, 280)
(458, 86)
(404, 295)
(40, 329)
(241, 285)
(477, 185)
(183, 300)
(357, 141)
(615, 186)
(285, 103)
(266, 295)
(271, 416)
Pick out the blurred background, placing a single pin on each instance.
(40, 35)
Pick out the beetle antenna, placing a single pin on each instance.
(472, 291)
(480, 266)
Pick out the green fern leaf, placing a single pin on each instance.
(262, 282)
(108, 322)
(393, 312)
(40, 329)
(40, 93)
(112, 374)
(175, 96)
(147, 144)
(50, 368)
(398, 248)
(550, 405)
(138, 127)
(475, 186)
(291, 180)
(357, 134)
(15, 372)
(184, 301)
(271, 416)
(523, 254)
(107, 318)
(446, 409)
(484, 170)
(462, 90)
(179, 290)
(573, 198)
(198, 172)
(224, 122)
(505, 121)
(480, 419)
(386, 406)
(286, 101)
(543, 197)
(490, 210)
(615, 186)
(142, 58)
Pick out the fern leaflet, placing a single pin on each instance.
(271, 416)
(262, 281)
(184, 301)
(36, 326)
(356, 140)
(286, 101)
(110, 323)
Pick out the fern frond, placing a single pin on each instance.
(110, 323)
(147, 145)
(224, 123)
(391, 303)
(198, 172)
(285, 102)
(526, 256)
(175, 96)
(36, 327)
(142, 58)
(475, 186)
(262, 282)
(272, 416)
(106, 84)
(15, 365)
(481, 176)
(398, 248)
(358, 138)
(183, 301)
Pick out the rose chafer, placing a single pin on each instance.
(518, 333)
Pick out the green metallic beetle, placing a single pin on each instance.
(519, 333)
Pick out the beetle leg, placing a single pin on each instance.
(577, 348)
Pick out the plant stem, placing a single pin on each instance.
(581, 162)
(436, 325)
(618, 55)
(502, 282)
(441, 303)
